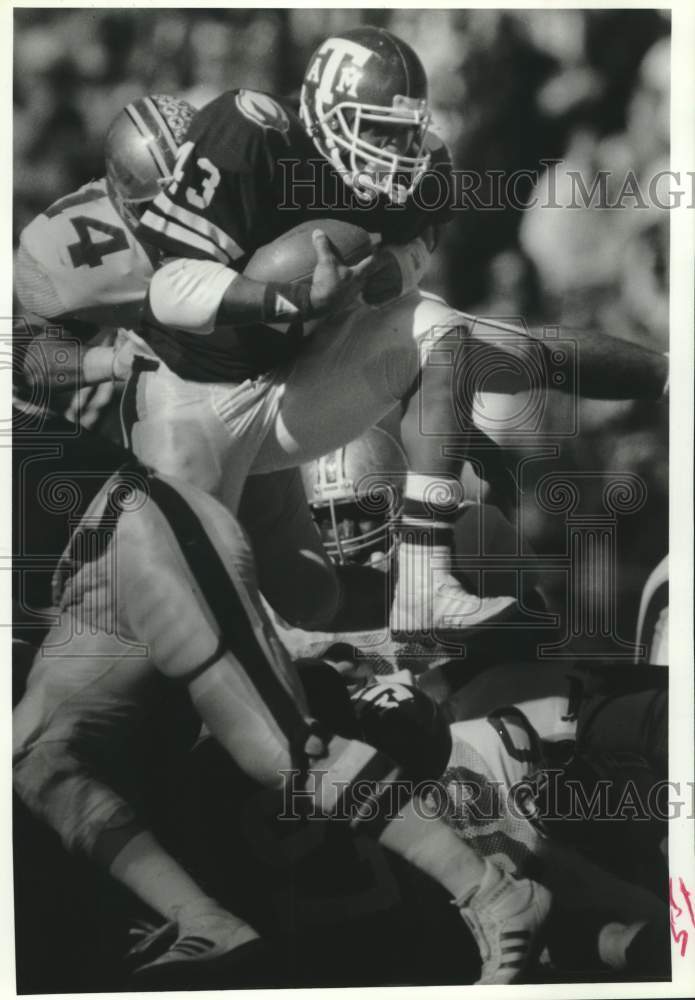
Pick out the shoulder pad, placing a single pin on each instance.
(236, 127)
(263, 110)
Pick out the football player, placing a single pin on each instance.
(158, 581)
(514, 781)
(78, 264)
(235, 396)
(355, 495)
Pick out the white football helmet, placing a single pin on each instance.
(355, 497)
(141, 149)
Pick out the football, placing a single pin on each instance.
(291, 257)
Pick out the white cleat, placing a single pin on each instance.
(505, 916)
(443, 607)
(204, 943)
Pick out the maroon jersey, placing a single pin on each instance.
(248, 173)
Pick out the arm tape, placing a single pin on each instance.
(284, 301)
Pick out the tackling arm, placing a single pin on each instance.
(67, 364)
(608, 368)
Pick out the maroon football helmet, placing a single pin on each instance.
(364, 103)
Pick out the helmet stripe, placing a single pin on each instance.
(146, 132)
(163, 125)
(404, 64)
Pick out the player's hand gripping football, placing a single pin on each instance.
(334, 285)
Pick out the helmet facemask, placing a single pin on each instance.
(131, 209)
(355, 497)
(352, 534)
(367, 168)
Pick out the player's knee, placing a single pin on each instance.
(169, 446)
(44, 779)
(61, 787)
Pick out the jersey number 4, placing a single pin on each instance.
(87, 250)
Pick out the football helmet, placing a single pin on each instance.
(141, 149)
(355, 497)
(652, 620)
(362, 86)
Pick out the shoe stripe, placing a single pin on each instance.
(515, 934)
(192, 945)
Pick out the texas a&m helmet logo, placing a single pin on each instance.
(337, 69)
(356, 84)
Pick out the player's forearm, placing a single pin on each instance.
(606, 367)
(198, 295)
(247, 301)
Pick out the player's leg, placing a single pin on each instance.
(172, 426)
(188, 591)
(72, 735)
(207, 435)
(504, 914)
(406, 815)
(349, 377)
(250, 696)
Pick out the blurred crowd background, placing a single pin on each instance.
(509, 90)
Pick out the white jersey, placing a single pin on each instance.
(79, 259)
(491, 776)
(489, 783)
